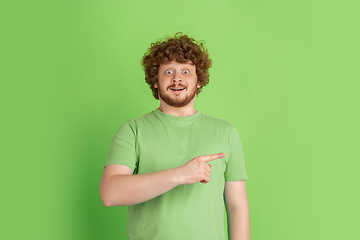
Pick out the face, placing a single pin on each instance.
(177, 83)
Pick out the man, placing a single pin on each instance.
(159, 164)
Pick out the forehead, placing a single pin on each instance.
(176, 64)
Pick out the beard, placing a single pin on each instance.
(177, 100)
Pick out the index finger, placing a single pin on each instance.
(208, 158)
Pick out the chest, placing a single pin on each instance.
(172, 146)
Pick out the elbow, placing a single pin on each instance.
(105, 195)
(111, 198)
(109, 201)
(105, 198)
(106, 201)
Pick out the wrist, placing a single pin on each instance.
(176, 176)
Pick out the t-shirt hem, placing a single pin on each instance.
(130, 165)
(235, 178)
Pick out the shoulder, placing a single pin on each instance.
(134, 123)
(148, 117)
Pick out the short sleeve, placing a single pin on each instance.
(235, 166)
(123, 147)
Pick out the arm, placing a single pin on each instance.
(237, 208)
(119, 187)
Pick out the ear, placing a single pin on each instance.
(198, 85)
(155, 85)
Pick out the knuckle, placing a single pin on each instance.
(199, 159)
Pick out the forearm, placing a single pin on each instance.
(123, 190)
(239, 223)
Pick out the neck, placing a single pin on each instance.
(185, 111)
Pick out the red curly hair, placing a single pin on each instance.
(180, 48)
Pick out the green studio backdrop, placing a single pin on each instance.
(82, 78)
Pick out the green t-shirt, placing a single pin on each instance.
(159, 141)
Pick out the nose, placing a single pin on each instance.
(177, 78)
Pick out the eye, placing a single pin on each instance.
(186, 72)
(168, 72)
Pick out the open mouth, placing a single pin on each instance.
(177, 89)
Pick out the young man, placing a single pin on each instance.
(175, 166)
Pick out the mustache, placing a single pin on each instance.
(176, 85)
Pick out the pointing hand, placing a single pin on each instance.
(197, 169)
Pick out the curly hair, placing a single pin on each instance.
(181, 48)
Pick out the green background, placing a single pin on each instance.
(283, 74)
